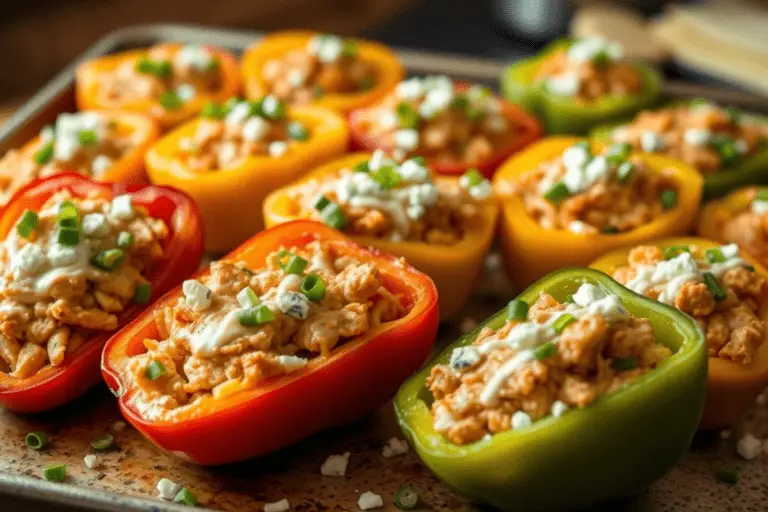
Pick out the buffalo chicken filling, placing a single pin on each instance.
(702, 135)
(383, 199)
(433, 118)
(747, 226)
(327, 65)
(88, 142)
(543, 361)
(68, 271)
(228, 134)
(588, 70)
(164, 74)
(237, 327)
(586, 194)
(716, 287)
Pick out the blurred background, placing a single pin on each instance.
(721, 41)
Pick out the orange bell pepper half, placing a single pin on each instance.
(531, 251)
(56, 385)
(230, 199)
(731, 387)
(529, 130)
(353, 380)
(90, 94)
(389, 71)
(453, 268)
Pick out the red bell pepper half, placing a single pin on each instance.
(528, 130)
(183, 248)
(355, 379)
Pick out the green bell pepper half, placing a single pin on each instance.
(563, 114)
(751, 170)
(610, 449)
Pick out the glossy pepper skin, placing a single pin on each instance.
(564, 114)
(365, 371)
(454, 268)
(183, 249)
(230, 199)
(607, 450)
(89, 95)
(529, 131)
(531, 251)
(752, 170)
(389, 70)
(731, 387)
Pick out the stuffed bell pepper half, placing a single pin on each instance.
(727, 146)
(454, 125)
(726, 293)
(443, 225)
(580, 392)
(574, 86)
(566, 202)
(236, 153)
(105, 145)
(297, 330)
(79, 259)
(169, 82)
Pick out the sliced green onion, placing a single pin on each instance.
(419, 160)
(620, 150)
(248, 298)
(562, 322)
(169, 100)
(517, 310)
(103, 442)
(318, 91)
(762, 194)
(334, 216)
(125, 240)
(751, 268)
(277, 114)
(142, 293)
(625, 171)
(68, 215)
(367, 83)
(387, 177)
(406, 498)
(460, 102)
(231, 103)
(714, 255)
(313, 287)
(545, 351)
(674, 251)
(55, 472)
(213, 110)
(158, 68)
(569, 299)
(668, 198)
(36, 440)
(474, 113)
(726, 148)
(714, 286)
(557, 193)
(87, 138)
(109, 259)
(407, 116)
(68, 236)
(734, 114)
(321, 202)
(290, 263)
(727, 474)
(601, 59)
(185, 497)
(155, 370)
(473, 177)
(625, 364)
(609, 230)
(44, 154)
(348, 48)
(297, 131)
(27, 223)
(251, 317)
(361, 167)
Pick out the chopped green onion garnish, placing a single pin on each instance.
(367, 83)
(213, 110)
(726, 148)
(714, 255)
(474, 113)
(248, 298)
(276, 113)
(44, 154)
(406, 498)
(625, 171)
(334, 216)
(348, 48)
(420, 160)
(562, 322)
(55, 472)
(313, 287)
(585, 145)
(609, 230)
(460, 102)
(557, 193)
(751, 268)
(517, 310)
(620, 150)
(714, 286)
(251, 317)
(87, 138)
(185, 497)
(361, 167)
(68, 236)
(762, 194)
(545, 351)
(569, 299)
(675, 250)
(625, 365)
(407, 115)
(27, 223)
(297, 131)
(169, 100)
(158, 68)
(473, 177)
(734, 114)
(290, 263)
(386, 176)
(68, 215)
(155, 370)
(727, 474)
(124, 240)
(142, 293)
(321, 202)
(318, 91)
(109, 259)
(103, 442)
(601, 59)
(668, 198)
(36, 440)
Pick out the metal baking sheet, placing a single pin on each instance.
(127, 477)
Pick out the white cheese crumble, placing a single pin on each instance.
(749, 446)
(185, 92)
(196, 57)
(577, 227)
(394, 447)
(521, 420)
(697, 136)
(585, 50)
(759, 207)
(335, 465)
(28, 261)
(270, 105)
(326, 47)
(62, 255)
(292, 363)
(296, 77)
(293, 304)
(68, 130)
(167, 489)
(91, 461)
(122, 207)
(278, 506)
(197, 295)
(565, 84)
(411, 89)
(369, 500)
(100, 165)
(407, 139)
(558, 408)
(277, 148)
(464, 357)
(95, 225)
(651, 141)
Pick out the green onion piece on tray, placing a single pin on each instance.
(36, 440)
(185, 497)
(406, 498)
(55, 472)
(103, 442)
